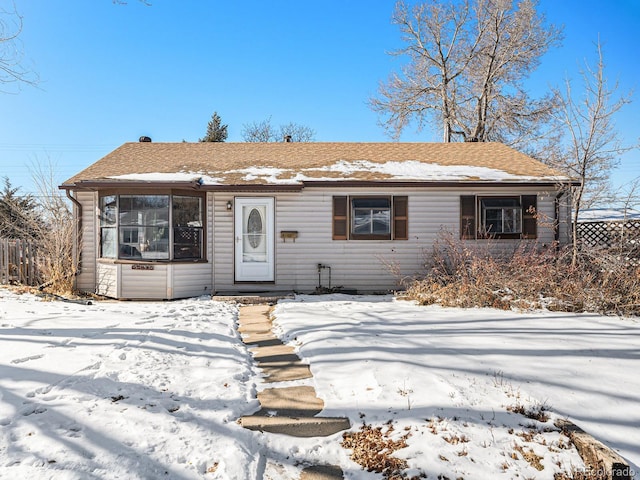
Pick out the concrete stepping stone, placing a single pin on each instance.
(322, 472)
(290, 401)
(285, 373)
(285, 410)
(296, 426)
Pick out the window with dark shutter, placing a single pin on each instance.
(529, 216)
(400, 218)
(468, 217)
(502, 217)
(370, 218)
(340, 218)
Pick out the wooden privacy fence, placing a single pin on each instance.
(18, 262)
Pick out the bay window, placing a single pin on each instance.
(151, 227)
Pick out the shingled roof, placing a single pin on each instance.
(229, 164)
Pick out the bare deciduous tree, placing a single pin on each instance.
(11, 68)
(593, 146)
(467, 63)
(264, 131)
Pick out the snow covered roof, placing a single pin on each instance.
(232, 164)
(608, 215)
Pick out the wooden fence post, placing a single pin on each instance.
(18, 262)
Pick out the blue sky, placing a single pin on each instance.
(111, 73)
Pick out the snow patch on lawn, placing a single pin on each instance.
(146, 390)
(451, 373)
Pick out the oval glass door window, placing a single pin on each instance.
(255, 228)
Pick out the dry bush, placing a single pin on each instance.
(535, 412)
(55, 233)
(491, 274)
(373, 450)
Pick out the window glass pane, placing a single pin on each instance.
(381, 221)
(187, 211)
(108, 210)
(108, 245)
(501, 215)
(144, 242)
(371, 216)
(371, 202)
(512, 220)
(144, 210)
(500, 202)
(361, 221)
(493, 220)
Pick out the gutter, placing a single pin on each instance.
(111, 184)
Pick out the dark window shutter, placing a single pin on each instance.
(529, 216)
(340, 218)
(400, 218)
(468, 217)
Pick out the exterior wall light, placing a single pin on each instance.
(229, 205)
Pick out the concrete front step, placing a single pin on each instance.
(296, 426)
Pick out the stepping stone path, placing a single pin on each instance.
(288, 410)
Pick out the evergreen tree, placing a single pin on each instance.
(18, 214)
(216, 132)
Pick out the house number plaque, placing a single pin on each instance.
(141, 267)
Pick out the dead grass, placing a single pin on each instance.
(530, 456)
(534, 412)
(486, 273)
(373, 449)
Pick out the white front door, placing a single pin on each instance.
(254, 234)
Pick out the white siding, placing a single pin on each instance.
(107, 279)
(356, 264)
(143, 284)
(223, 241)
(86, 278)
(191, 280)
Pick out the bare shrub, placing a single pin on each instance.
(535, 412)
(528, 275)
(372, 448)
(55, 232)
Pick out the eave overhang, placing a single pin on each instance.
(107, 184)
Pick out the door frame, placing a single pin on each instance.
(246, 272)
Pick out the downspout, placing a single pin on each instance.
(78, 228)
(556, 220)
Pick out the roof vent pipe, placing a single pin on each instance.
(288, 139)
(144, 139)
(471, 139)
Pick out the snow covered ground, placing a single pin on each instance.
(146, 390)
